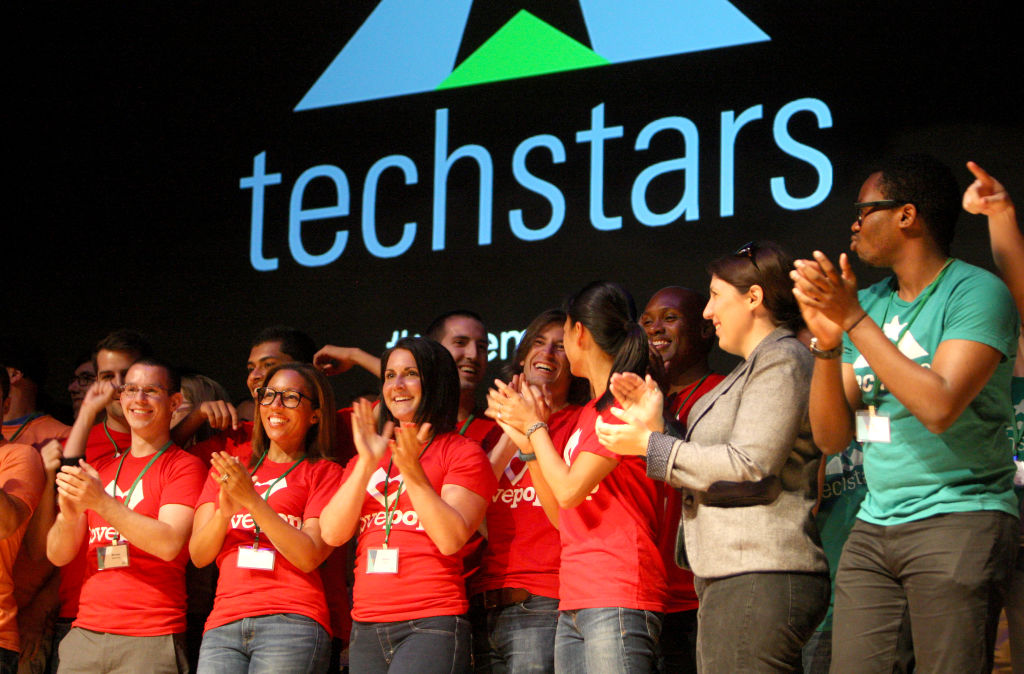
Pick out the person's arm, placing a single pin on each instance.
(987, 196)
(13, 513)
(99, 395)
(334, 360)
(501, 454)
(340, 516)
(34, 543)
(449, 518)
(161, 537)
(937, 395)
(303, 547)
(67, 534)
(219, 414)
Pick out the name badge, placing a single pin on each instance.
(382, 560)
(261, 559)
(872, 426)
(112, 556)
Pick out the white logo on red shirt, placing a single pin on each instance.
(283, 484)
(137, 495)
(513, 476)
(375, 488)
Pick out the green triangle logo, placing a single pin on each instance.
(523, 47)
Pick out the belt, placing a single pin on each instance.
(492, 599)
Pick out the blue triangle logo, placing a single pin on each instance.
(410, 46)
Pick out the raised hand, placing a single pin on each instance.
(369, 444)
(986, 195)
(827, 297)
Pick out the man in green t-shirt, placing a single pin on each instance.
(925, 383)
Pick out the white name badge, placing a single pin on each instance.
(261, 559)
(112, 556)
(872, 426)
(382, 560)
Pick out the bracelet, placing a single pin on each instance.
(857, 322)
(527, 457)
(534, 428)
(826, 354)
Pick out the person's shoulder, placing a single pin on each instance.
(180, 459)
(17, 453)
(966, 274)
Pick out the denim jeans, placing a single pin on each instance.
(516, 639)
(607, 640)
(758, 622)
(284, 643)
(438, 644)
(950, 572)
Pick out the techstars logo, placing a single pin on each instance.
(413, 46)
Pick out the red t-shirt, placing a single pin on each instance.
(485, 432)
(146, 598)
(233, 441)
(523, 549)
(427, 583)
(610, 554)
(300, 496)
(97, 446)
(681, 594)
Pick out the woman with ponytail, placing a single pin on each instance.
(747, 467)
(612, 580)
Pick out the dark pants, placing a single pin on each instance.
(950, 572)
(8, 661)
(758, 622)
(435, 645)
(83, 651)
(679, 643)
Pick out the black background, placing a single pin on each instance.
(132, 125)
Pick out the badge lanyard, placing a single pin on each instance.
(872, 397)
(138, 478)
(32, 417)
(689, 395)
(117, 450)
(462, 431)
(388, 508)
(266, 494)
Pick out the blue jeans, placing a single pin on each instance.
(516, 639)
(421, 646)
(284, 643)
(608, 640)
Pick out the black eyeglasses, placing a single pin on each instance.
(873, 206)
(290, 399)
(748, 250)
(83, 380)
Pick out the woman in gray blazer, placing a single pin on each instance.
(747, 467)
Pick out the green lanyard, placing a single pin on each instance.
(32, 417)
(465, 424)
(131, 490)
(689, 395)
(388, 509)
(872, 397)
(117, 450)
(266, 494)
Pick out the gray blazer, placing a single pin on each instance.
(748, 468)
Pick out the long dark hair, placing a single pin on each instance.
(764, 264)
(608, 311)
(320, 437)
(579, 388)
(439, 383)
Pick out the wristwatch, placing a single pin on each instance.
(829, 354)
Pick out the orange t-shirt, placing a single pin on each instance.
(36, 432)
(21, 477)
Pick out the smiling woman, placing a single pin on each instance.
(415, 501)
(258, 517)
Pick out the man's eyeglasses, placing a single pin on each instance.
(873, 206)
(748, 250)
(83, 380)
(148, 391)
(290, 399)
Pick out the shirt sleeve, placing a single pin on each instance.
(22, 475)
(184, 478)
(468, 467)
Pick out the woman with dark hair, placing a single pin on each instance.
(747, 467)
(612, 580)
(258, 517)
(416, 500)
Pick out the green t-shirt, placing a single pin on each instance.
(841, 495)
(920, 474)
